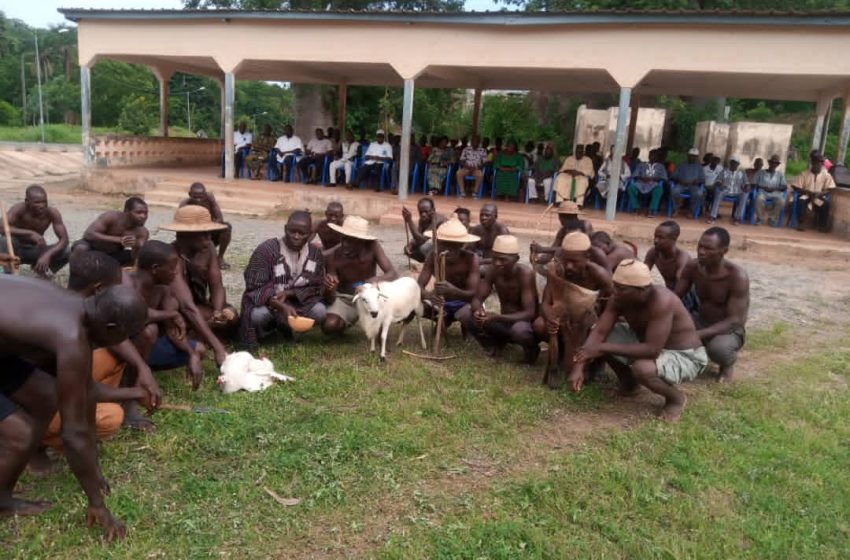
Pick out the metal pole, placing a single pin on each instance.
(188, 113)
(845, 132)
(821, 110)
(825, 133)
(163, 106)
(85, 116)
(40, 102)
(23, 92)
(406, 127)
(619, 148)
(229, 164)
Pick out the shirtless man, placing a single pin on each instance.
(354, 262)
(487, 228)
(664, 254)
(614, 252)
(28, 220)
(198, 277)
(118, 234)
(657, 347)
(568, 215)
(462, 275)
(330, 238)
(61, 340)
(198, 195)
(723, 291)
(569, 305)
(516, 287)
(420, 247)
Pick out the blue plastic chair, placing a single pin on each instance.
(686, 196)
(768, 204)
(518, 180)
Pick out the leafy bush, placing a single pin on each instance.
(138, 114)
(9, 115)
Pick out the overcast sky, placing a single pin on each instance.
(42, 13)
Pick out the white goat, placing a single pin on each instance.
(385, 303)
(242, 372)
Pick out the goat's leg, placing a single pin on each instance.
(385, 331)
(401, 330)
(372, 343)
(421, 332)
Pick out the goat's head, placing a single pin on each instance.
(370, 295)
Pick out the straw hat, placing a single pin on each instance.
(354, 226)
(632, 272)
(576, 241)
(506, 244)
(300, 324)
(191, 219)
(569, 207)
(454, 231)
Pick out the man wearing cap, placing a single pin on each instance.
(198, 284)
(487, 229)
(517, 290)
(657, 346)
(377, 155)
(689, 178)
(575, 287)
(352, 263)
(460, 277)
(284, 278)
(200, 196)
(419, 247)
(568, 215)
(723, 293)
(649, 179)
(772, 188)
(574, 177)
(812, 188)
(330, 238)
(289, 148)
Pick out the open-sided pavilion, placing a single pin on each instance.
(770, 55)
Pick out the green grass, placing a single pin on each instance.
(69, 134)
(756, 470)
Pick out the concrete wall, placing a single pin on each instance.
(591, 126)
(123, 151)
(749, 140)
(711, 136)
(600, 125)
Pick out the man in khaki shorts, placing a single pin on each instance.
(657, 347)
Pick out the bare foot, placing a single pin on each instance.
(16, 506)
(672, 411)
(727, 375)
(135, 421)
(40, 464)
(623, 392)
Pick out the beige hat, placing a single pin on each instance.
(354, 226)
(454, 231)
(192, 219)
(300, 324)
(693, 152)
(569, 207)
(632, 272)
(576, 241)
(506, 244)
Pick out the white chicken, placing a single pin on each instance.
(242, 372)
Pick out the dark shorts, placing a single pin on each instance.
(14, 372)
(120, 254)
(164, 355)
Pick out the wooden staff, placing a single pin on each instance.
(407, 244)
(441, 312)
(7, 232)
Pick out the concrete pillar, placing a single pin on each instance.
(619, 149)
(229, 94)
(476, 111)
(844, 135)
(822, 109)
(825, 134)
(163, 106)
(342, 102)
(85, 116)
(406, 129)
(633, 116)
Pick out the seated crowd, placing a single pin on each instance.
(134, 306)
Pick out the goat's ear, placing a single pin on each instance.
(355, 298)
(382, 296)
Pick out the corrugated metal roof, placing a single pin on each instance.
(830, 18)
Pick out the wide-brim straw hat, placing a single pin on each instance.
(192, 219)
(354, 226)
(569, 207)
(453, 231)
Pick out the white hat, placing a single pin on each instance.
(454, 231)
(354, 226)
(735, 158)
(693, 152)
(506, 244)
(576, 241)
(380, 132)
(632, 272)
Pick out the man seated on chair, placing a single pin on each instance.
(545, 166)
(377, 154)
(289, 148)
(242, 140)
(199, 196)
(603, 178)
(574, 177)
(459, 283)
(487, 229)
(732, 182)
(648, 178)
(812, 187)
(354, 262)
(330, 238)
(723, 300)
(772, 188)
(614, 252)
(688, 178)
(438, 164)
(712, 171)
(118, 234)
(284, 278)
(317, 149)
(28, 221)
(348, 151)
(670, 259)
(259, 153)
(420, 246)
(471, 164)
(655, 345)
(516, 287)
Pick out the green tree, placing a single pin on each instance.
(137, 114)
(9, 115)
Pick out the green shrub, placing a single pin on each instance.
(138, 114)
(9, 115)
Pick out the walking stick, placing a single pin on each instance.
(407, 244)
(14, 262)
(441, 312)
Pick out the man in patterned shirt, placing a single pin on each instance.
(771, 187)
(472, 160)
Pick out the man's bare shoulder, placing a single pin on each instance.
(16, 211)
(736, 272)
(477, 229)
(185, 202)
(502, 229)
(54, 213)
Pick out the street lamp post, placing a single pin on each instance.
(40, 101)
(188, 110)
